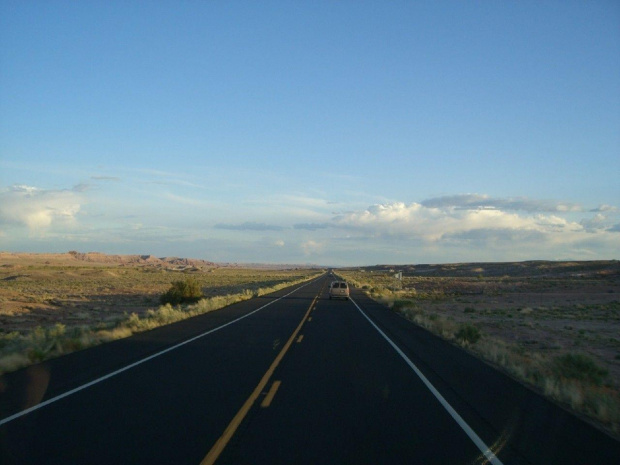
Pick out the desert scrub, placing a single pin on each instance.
(182, 292)
(579, 367)
(400, 305)
(464, 334)
(468, 334)
(18, 350)
(573, 380)
(433, 322)
(598, 402)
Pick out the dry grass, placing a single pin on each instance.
(544, 323)
(49, 309)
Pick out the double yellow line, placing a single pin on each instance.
(230, 430)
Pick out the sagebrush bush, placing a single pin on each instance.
(468, 333)
(579, 367)
(400, 305)
(182, 292)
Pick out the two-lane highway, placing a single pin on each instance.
(159, 405)
(288, 378)
(345, 396)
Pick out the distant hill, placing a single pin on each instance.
(144, 260)
(96, 258)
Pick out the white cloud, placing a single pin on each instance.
(605, 208)
(38, 209)
(312, 247)
(598, 221)
(481, 201)
(468, 227)
(414, 233)
(481, 227)
(418, 221)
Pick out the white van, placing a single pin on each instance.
(339, 290)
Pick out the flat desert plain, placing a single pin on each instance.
(86, 289)
(544, 306)
(539, 321)
(525, 315)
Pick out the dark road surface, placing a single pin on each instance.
(292, 377)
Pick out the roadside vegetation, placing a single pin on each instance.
(50, 311)
(557, 333)
(182, 292)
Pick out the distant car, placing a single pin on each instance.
(339, 290)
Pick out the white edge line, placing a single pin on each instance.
(486, 450)
(139, 362)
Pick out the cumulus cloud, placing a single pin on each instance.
(432, 224)
(446, 232)
(249, 226)
(38, 209)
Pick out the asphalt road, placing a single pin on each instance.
(288, 378)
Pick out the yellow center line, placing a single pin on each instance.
(300, 338)
(272, 392)
(230, 430)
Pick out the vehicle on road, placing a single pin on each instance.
(339, 290)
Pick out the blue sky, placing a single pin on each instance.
(328, 132)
